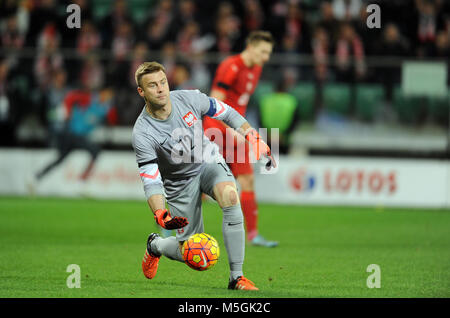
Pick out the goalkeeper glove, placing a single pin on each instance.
(164, 219)
(260, 148)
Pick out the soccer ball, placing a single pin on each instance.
(200, 251)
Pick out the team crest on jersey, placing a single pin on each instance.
(189, 119)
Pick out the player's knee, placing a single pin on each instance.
(229, 196)
(232, 198)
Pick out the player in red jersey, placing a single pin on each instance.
(235, 81)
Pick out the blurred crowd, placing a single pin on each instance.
(42, 59)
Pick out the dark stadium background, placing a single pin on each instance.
(190, 37)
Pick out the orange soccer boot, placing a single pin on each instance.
(151, 260)
(242, 283)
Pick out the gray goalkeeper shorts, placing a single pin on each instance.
(184, 196)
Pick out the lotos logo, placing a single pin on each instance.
(303, 181)
(345, 181)
(189, 119)
(361, 180)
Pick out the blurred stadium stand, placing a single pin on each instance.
(346, 77)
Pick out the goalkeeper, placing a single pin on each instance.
(177, 163)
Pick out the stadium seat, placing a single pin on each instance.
(368, 98)
(101, 8)
(138, 9)
(305, 93)
(439, 108)
(408, 108)
(337, 98)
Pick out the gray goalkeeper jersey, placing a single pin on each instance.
(177, 145)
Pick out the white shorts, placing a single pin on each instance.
(184, 196)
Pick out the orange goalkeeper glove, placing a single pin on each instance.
(163, 218)
(260, 148)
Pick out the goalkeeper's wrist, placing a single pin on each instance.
(159, 216)
(159, 211)
(252, 136)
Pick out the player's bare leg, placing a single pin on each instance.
(88, 170)
(233, 230)
(250, 210)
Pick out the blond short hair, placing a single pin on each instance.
(257, 36)
(147, 68)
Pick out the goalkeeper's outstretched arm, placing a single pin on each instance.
(223, 112)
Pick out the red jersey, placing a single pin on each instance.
(236, 81)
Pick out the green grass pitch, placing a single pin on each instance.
(323, 252)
